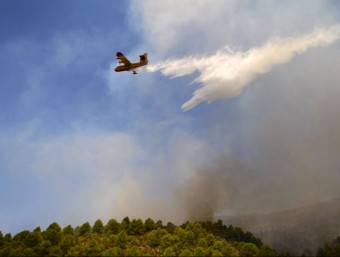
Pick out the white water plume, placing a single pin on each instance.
(225, 73)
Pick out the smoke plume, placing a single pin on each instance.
(204, 194)
(225, 73)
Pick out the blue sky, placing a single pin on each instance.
(80, 142)
(37, 42)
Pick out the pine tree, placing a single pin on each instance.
(149, 225)
(125, 224)
(169, 252)
(112, 227)
(98, 227)
(136, 227)
(85, 229)
(68, 230)
(122, 239)
(53, 233)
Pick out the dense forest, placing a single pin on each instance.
(135, 238)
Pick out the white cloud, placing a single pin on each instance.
(181, 27)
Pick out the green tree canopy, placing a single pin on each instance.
(1, 239)
(200, 251)
(85, 229)
(168, 241)
(33, 239)
(248, 249)
(149, 225)
(265, 250)
(139, 239)
(67, 242)
(125, 223)
(37, 229)
(53, 233)
(94, 249)
(98, 227)
(136, 227)
(122, 239)
(153, 239)
(185, 252)
(133, 251)
(21, 235)
(155, 236)
(159, 224)
(68, 230)
(112, 227)
(111, 252)
(169, 252)
(170, 227)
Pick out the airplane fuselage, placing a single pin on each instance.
(132, 66)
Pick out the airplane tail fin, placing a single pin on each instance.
(144, 58)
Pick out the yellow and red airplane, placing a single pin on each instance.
(126, 65)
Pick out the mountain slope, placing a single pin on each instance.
(297, 230)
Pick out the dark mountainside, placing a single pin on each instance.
(300, 230)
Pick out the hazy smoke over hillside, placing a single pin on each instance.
(276, 145)
(226, 73)
(287, 133)
(204, 194)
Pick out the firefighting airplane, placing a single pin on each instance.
(126, 65)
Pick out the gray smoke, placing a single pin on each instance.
(204, 194)
(276, 139)
(287, 131)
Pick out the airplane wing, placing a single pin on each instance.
(123, 59)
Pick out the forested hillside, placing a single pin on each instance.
(300, 230)
(135, 238)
